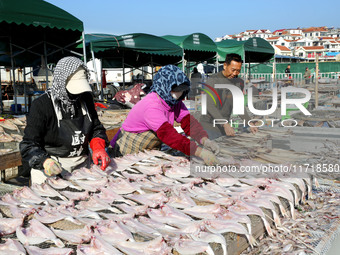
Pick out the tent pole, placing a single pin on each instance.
(101, 75)
(183, 61)
(13, 71)
(45, 56)
(123, 71)
(95, 69)
(84, 47)
(25, 93)
(1, 106)
(216, 62)
(244, 66)
(151, 68)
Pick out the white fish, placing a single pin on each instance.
(45, 190)
(51, 216)
(34, 250)
(221, 226)
(58, 183)
(149, 199)
(75, 236)
(211, 238)
(139, 228)
(156, 246)
(92, 185)
(169, 215)
(9, 225)
(113, 232)
(97, 246)
(175, 171)
(82, 195)
(181, 200)
(12, 247)
(247, 209)
(37, 233)
(122, 186)
(190, 247)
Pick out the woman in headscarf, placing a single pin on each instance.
(150, 122)
(61, 123)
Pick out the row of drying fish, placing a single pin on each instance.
(315, 220)
(145, 204)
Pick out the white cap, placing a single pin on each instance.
(77, 83)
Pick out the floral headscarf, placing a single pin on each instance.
(163, 81)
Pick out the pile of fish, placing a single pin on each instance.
(148, 203)
(11, 131)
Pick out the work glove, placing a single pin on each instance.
(51, 167)
(98, 152)
(208, 157)
(212, 146)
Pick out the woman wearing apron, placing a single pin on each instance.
(62, 123)
(150, 122)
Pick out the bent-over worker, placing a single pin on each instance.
(150, 122)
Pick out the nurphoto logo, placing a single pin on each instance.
(238, 101)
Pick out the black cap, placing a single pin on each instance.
(182, 87)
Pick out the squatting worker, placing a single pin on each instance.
(150, 122)
(229, 75)
(61, 123)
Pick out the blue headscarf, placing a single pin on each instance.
(163, 81)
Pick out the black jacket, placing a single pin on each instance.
(42, 128)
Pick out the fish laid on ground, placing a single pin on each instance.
(222, 226)
(136, 227)
(113, 232)
(172, 170)
(72, 196)
(190, 247)
(12, 247)
(169, 215)
(44, 190)
(37, 233)
(9, 225)
(74, 236)
(149, 199)
(156, 246)
(26, 195)
(51, 216)
(58, 183)
(34, 250)
(97, 246)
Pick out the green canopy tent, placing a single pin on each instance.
(197, 47)
(254, 50)
(132, 50)
(34, 30)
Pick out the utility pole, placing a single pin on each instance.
(317, 81)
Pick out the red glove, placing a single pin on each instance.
(98, 152)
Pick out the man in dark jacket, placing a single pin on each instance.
(229, 75)
(62, 123)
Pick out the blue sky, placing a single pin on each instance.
(213, 18)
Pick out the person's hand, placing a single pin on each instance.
(51, 167)
(229, 131)
(253, 130)
(211, 145)
(98, 152)
(208, 157)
